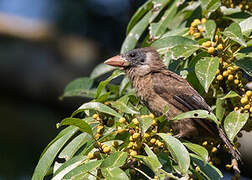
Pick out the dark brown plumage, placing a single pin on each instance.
(158, 87)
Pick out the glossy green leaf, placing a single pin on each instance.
(114, 174)
(203, 114)
(210, 27)
(210, 171)
(145, 123)
(116, 159)
(165, 44)
(245, 64)
(68, 166)
(158, 6)
(47, 158)
(123, 107)
(210, 6)
(83, 169)
(124, 84)
(197, 149)
(205, 70)
(135, 33)
(234, 122)
(138, 14)
(79, 87)
(220, 108)
(178, 151)
(230, 94)
(100, 70)
(80, 123)
(183, 51)
(98, 107)
(228, 11)
(158, 28)
(103, 84)
(176, 32)
(234, 32)
(246, 25)
(74, 146)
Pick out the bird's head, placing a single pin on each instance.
(142, 60)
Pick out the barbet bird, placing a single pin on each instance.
(158, 87)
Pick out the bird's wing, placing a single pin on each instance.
(174, 89)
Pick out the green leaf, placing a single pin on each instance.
(197, 149)
(116, 159)
(68, 166)
(79, 87)
(100, 70)
(124, 84)
(119, 105)
(80, 123)
(138, 14)
(205, 70)
(83, 169)
(220, 109)
(183, 51)
(74, 146)
(234, 122)
(246, 25)
(210, 29)
(178, 151)
(135, 33)
(158, 28)
(176, 32)
(48, 157)
(230, 94)
(234, 32)
(98, 107)
(165, 44)
(245, 64)
(209, 6)
(114, 174)
(145, 123)
(202, 114)
(228, 11)
(103, 84)
(151, 161)
(210, 171)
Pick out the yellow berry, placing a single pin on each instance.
(136, 135)
(95, 116)
(120, 130)
(146, 135)
(106, 103)
(236, 81)
(207, 44)
(97, 136)
(211, 50)
(218, 71)
(160, 144)
(244, 100)
(130, 144)
(230, 77)
(228, 166)
(250, 109)
(201, 29)
(197, 168)
(214, 149)
(204, 143)
(225, 73)
(210, 162)
(122, 120)
(154, 122)
(249, 93)
(106, 149)
(91, 155)
(220, 47)
(104, 145)
(131, 139)
(219, 77)
(195, 22)
(235, 68)
(135, 121)
(203, 20)
(236, 108)
(152, 115)
(133, 153)
(153, 140)
(196, 35)
(247, 106)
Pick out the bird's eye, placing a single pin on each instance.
(142, 60)
(132, 55)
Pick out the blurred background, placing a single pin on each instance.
(45, 44)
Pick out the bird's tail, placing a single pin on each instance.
(234, 151)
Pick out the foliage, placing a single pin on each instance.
(114, 136)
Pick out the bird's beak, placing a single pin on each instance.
(117, 61)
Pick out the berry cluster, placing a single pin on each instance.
(197, 28)
(242, 4)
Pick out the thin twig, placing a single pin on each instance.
(148, 177)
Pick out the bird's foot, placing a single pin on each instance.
(235, 166)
